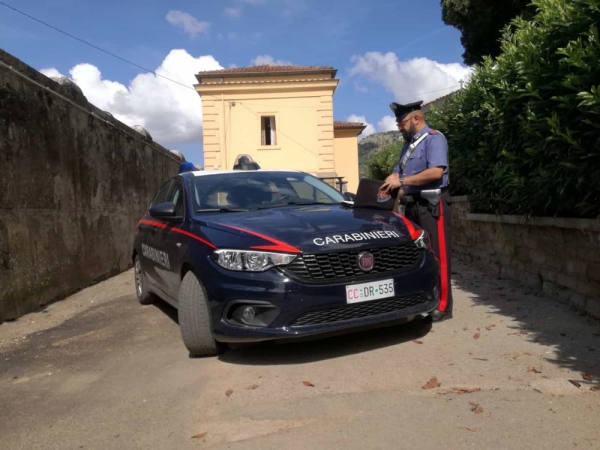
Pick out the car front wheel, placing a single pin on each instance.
(194, 319)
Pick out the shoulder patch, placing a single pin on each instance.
(433, 132)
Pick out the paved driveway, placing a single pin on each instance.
(98, 371)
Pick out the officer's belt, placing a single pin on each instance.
(416, 197)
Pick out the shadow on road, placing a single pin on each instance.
(538, 317)
(167, 310)
(270, 353)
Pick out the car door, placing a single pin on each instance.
(172, 242)
(149, 229)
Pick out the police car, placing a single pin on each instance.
(255, 255)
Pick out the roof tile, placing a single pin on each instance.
(266, 69)
(339, 124)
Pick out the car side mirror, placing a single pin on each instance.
(350, 196)
(163, 210)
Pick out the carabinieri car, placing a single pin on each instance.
(255, 255)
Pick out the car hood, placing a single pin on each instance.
(309, 228)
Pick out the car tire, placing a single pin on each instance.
(144, 297)
(194, 319)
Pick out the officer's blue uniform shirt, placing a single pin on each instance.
(431, 152)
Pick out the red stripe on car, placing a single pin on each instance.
(152, 223)
(278, 246)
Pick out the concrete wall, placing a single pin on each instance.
(558, 256)
(72, 188)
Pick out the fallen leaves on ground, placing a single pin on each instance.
(476, 336)
(586, 377)
(476, 408)
(308, 384)
(199, 436)
(533, 369)
(229, 392)
(594, 389)
(417, 341)
(469, 429)
(251, 387)
(431, 384)
(575, 383)
(489, 327)
(481, 359)
(519, 333)
(463, 390)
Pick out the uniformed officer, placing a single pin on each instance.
(423, 166)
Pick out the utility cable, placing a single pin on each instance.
(82, 108)
(94, 46)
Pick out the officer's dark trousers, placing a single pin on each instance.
(439, 232)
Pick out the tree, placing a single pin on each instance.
(524, 134)
(382, 162)
(482, 22)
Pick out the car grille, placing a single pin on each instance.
(340, 265)
(359, 310)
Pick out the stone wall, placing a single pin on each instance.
(556, 255)
(73, 184)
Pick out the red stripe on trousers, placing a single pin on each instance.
(443, 266)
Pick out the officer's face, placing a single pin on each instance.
(407, 127)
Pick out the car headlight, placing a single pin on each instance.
(251, 261)
(423, 241)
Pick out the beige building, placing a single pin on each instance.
(281, 116)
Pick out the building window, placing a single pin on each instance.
(268, 135)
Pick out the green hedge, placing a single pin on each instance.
(382, 163)
(524, 134)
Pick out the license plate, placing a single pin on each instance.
(365, 292)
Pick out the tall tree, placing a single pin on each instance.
(481, 23)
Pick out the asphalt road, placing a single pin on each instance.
(99, 371)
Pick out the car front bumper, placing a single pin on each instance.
(298, 309)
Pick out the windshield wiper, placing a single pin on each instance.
(221, 210)
(279, 205)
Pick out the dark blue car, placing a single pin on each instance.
(255, 255)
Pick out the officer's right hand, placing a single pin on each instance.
(391, 182)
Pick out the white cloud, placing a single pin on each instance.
(171, 113)
(387, 123)
(234, 13)
(370, 129)
(360, 88)
(268, 60)
(412, 80)
(187, 22)
(51, 73)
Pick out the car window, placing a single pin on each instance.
(252, 189)
(161, 194)
(306, 190)
(175, 196)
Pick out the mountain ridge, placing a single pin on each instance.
(371, 144)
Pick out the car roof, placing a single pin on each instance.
(202, 173)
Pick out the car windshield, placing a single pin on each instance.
(245, 190)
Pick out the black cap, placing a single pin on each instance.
(400, 111)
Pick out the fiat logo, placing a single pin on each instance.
(366, 261)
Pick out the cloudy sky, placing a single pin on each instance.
(384, 51)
